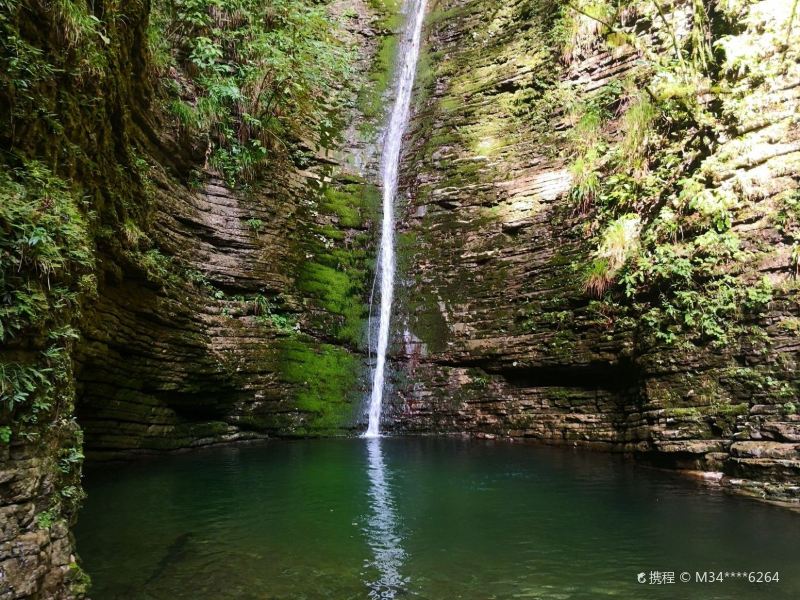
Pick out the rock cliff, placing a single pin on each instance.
(522, 182)
(599, 246)
(169, 308)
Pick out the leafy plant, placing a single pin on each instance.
(69, 458)
(260, 75)
(256, 225)
(46, 518)
(794, 259)
(44, 247)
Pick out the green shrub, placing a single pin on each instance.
(44, 246)
(597, 277)
(260, 74)
(256, 225)
(585, 181)
(637, 126)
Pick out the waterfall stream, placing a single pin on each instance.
(408, 54)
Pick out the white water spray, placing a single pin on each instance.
(390, 162)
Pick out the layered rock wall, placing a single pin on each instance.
(499, 333)
(200, 312)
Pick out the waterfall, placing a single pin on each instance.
(408, 54)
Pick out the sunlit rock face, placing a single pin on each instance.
(497, 333)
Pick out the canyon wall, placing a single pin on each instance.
(546, 290)
(540, 298)
(167, 308)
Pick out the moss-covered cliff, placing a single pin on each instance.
(601, 235)
(186, 244)
(599, 243)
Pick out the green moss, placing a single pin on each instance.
(561, 395)
(424, 313)
(371, 96)
(352, 202)
(684, 413)
(80, 582)
(428, 323)
(730, 409)
(323, 376)
(335, 270)
(339, 289)
(407, 245)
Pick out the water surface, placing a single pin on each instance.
(420, 518)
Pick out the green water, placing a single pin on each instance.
(420, 518)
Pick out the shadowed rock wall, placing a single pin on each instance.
(203, 313)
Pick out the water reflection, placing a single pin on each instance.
(382, 529)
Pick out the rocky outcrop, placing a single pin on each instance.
(251, 321)
(36, 550)
(498, 334)
(209, 314)
(228, 355)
